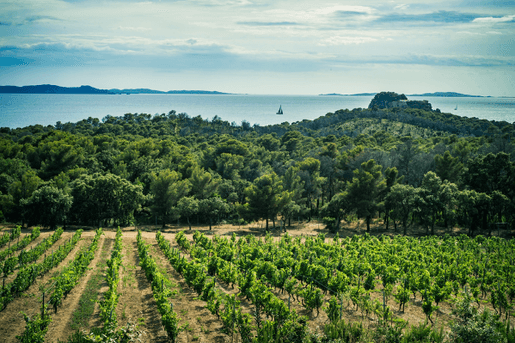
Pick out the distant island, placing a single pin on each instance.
(357, 94)
(450, 95)
(440, 94)
(52, 89)
(152, 91)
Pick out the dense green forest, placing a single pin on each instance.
(402, 166)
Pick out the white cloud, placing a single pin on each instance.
(401, 7)
(343, 8)
(346, 40)
(493, 20)
(256, 36)
(138, 29)
(317, 15)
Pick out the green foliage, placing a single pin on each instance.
(169, 317)
(312, 298)
(448, 167)
(12, 203)
(401, 199)
(363, 192)
(265, 197)
(101, 198)
(167, 189)
(35, 328)
(423, 333)
(188, 206)
(48, 206)
(475, 326)
(212, 208)
(70, 275)
(128, 333)
(333, 309)
(345, 332)
(137, 167)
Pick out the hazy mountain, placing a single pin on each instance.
(448, 94)
(52, 89)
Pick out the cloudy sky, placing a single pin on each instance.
(262, 47)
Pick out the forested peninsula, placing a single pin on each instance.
(401, 166)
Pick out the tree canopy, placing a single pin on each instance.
(403, 165)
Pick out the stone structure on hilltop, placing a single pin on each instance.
(387, 100)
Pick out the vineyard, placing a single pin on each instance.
(203, 286)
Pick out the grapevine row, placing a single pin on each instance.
(70, 275)
(223, 262)
(195, 275)
(10, 236)
(250, 286)
(28, 274)
(169, 317)
(433, 268)
(37, 326)
(31, 255)
(21, 244)
(108, 305)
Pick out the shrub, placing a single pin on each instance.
(474, 326)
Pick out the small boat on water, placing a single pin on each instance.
(280, 110)
(456, 108)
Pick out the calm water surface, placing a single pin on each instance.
(19, 110)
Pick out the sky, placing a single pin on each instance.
(262, 47)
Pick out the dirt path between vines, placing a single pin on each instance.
(202, 326)
(136, 303)
(60, 327)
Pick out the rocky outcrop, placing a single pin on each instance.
(385, 100)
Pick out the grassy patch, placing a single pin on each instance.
(88, 299)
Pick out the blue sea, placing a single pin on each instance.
(20, 110)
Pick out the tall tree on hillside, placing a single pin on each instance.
(100, 199)
(330, 176)
(291, 140)
(265, 198)
(212, 208)
(448, 195)
(48, 206)
(309, 172)
(229, 165)
(167, 189)
(401, 199)
(406, 154)
(364, 190)
(431, 184)
(203, 185)
(18, 190)
(188, 207)
(335, 209)
(488, 173)
(289, 211)
(448, 167)
(293, 184)
(473, 208)
(391, 178)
